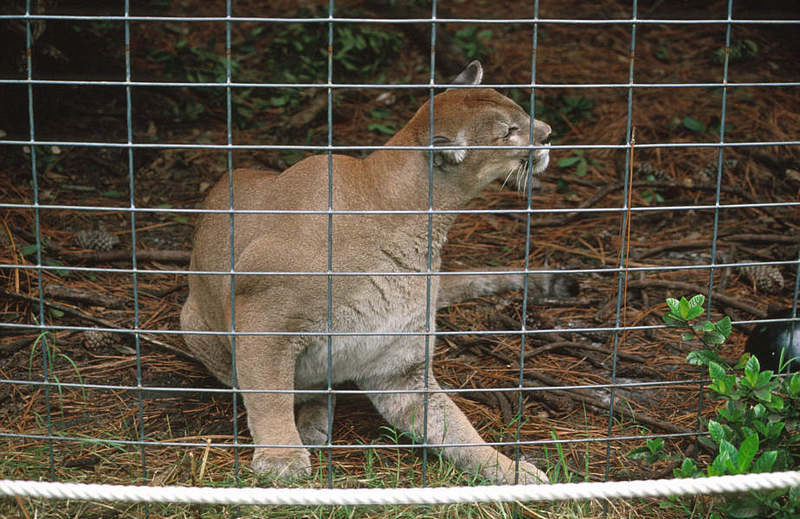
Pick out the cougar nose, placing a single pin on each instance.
(541, 132)
(546, 131)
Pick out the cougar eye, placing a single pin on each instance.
(511, 131)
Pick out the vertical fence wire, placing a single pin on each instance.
(329, 323)
(231, 239)
(134, 274)
(43, 339)
(528, 243)
(790, 347)
(720, 156)
(429, 308)
(624, 233)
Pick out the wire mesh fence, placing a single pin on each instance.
(673, 172)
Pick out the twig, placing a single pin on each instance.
(83, 296)
(12, 347)
(571, 344)
(605, 191)
(699, 244)
(97, 320)
(639, 416)
(20, 504)
(696, 289)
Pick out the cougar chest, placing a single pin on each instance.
(382, 320)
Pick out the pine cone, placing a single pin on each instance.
(96, 340)
(96, 240)
(647, 171)
(767, 278)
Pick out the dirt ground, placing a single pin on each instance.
(85, 188)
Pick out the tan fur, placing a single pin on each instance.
(397, 243)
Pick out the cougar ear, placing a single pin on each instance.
(448, 156)
(472, 75)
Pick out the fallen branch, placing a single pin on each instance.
(169, 256)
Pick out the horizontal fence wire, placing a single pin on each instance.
(332, 19)
(142, 333)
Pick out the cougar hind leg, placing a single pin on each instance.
(212, 350)
(311, 416)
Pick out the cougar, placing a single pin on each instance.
(379, 280)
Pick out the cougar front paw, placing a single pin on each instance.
(528, 474)
(282, 463)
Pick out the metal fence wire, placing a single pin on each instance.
(702, 201)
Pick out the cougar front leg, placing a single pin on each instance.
(446, 424)
(268, 363)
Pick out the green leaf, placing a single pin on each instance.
(582, 168)
(673, 304)
(716, 431)
(746, 508)
(764, 378)
(724, 326)
(775, 402)
(697, 300)
(639, 453)
(765, 462)
(747, 451)
(673, 320)
(568, 161)
(655, 445)
(742, 361)
(714, 338)
(381, 128)
(719, 467)
(706, 326)
(794, 385)
(751, 370)
(683, 309)
(730, 455)
(688, 469)
(29, 249)
(279, 101)
(695, 312)
(703, 357)
(715, 371)
(765, 395)
(693, 124)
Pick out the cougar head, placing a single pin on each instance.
(478, 117)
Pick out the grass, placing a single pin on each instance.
(361, 468)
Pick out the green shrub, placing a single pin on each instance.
(757, 425)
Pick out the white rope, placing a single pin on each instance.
(405, 496)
